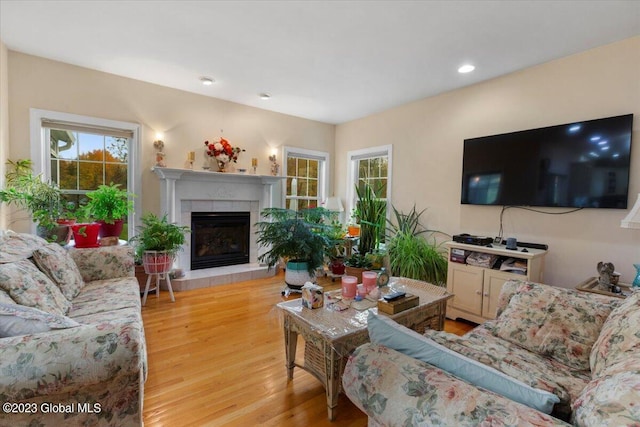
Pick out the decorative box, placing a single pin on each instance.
(401, 304)
(312, 295)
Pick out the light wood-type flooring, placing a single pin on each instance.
(216, 358)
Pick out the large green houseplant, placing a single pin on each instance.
(157, 241)
(413, 250)
(109, 205)
(298, 237)
(40, 197)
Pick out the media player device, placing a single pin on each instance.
(472, 240)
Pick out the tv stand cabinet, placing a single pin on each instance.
(476, 289)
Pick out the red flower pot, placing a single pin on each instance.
(86, 235)
(109, 230)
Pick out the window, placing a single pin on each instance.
(80, 153)
(306, 172)
(371, 165)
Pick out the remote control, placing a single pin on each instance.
(394, 296)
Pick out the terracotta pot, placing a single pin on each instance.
(142, 276)
(354, 271)
(58, 234)
(111, 230)
(86, 235)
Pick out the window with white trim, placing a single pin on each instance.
(80, 153)
(307, 178)
(373, 166)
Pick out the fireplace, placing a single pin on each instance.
(219, 239)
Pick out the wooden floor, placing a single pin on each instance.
(216, 358)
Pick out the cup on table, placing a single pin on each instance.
(369, 280)
(349, 286)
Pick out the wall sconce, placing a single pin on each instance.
(158, 144)
(275, 167)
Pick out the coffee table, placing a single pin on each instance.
(330, 336)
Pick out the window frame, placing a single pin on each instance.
(352, 172)
(323, 159)
(40, 150)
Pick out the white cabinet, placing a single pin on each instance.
(476, 289)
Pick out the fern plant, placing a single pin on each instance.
(294, 236)
(158, 234)
(413, 250)
(109, 203)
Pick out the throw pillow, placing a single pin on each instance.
(18, 246)
(29, 286)
(619, 341)
(18, 319)
(388, 333)
(558, 323)
(55, 261)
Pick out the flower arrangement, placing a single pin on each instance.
(222, 151)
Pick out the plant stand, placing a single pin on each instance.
(158, 264)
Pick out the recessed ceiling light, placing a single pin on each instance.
(264, 96)
(467, 68)
(207, 81)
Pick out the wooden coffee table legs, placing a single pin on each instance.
(290, 344)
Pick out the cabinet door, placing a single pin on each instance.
(465, 283)
(493, 281)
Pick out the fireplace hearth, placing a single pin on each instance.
(219, 239)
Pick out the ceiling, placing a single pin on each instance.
(331, 61)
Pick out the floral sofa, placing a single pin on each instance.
(72, 347)
(583, 348)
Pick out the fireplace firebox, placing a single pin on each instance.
(219, 239)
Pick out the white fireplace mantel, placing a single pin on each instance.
(205, 185)
(183, 191)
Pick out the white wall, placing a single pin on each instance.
(186, 119)
(428, 135)
(4, 127)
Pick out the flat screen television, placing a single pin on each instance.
(580, 165)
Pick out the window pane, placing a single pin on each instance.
(54, 170)
(91, 174)
(302, 187)
(63, 144)
(68, 175)
(291, 166)
(313, 169)
(117, 149)
(302, 167)
(363, 168)
(91, 147)
(384, 167)
(288, 193)
(116, 174)
(313, 188)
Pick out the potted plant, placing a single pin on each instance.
(297, 237)
(371, 214)
(109, 205)
(42, 199)
(356, 264)
(413, 251)
(157, 241)
(336, 249)
(85, 231)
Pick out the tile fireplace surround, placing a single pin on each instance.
(183, 191)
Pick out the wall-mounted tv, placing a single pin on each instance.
(581, 164)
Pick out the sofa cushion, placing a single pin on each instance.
(610, 401)
(55, 261)
(18, 319)
(531, 368)
(106, 262)
(106, 295)
(29, 286)
(559, 323)
(385, 331)
(619, 339)
(17, 246)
